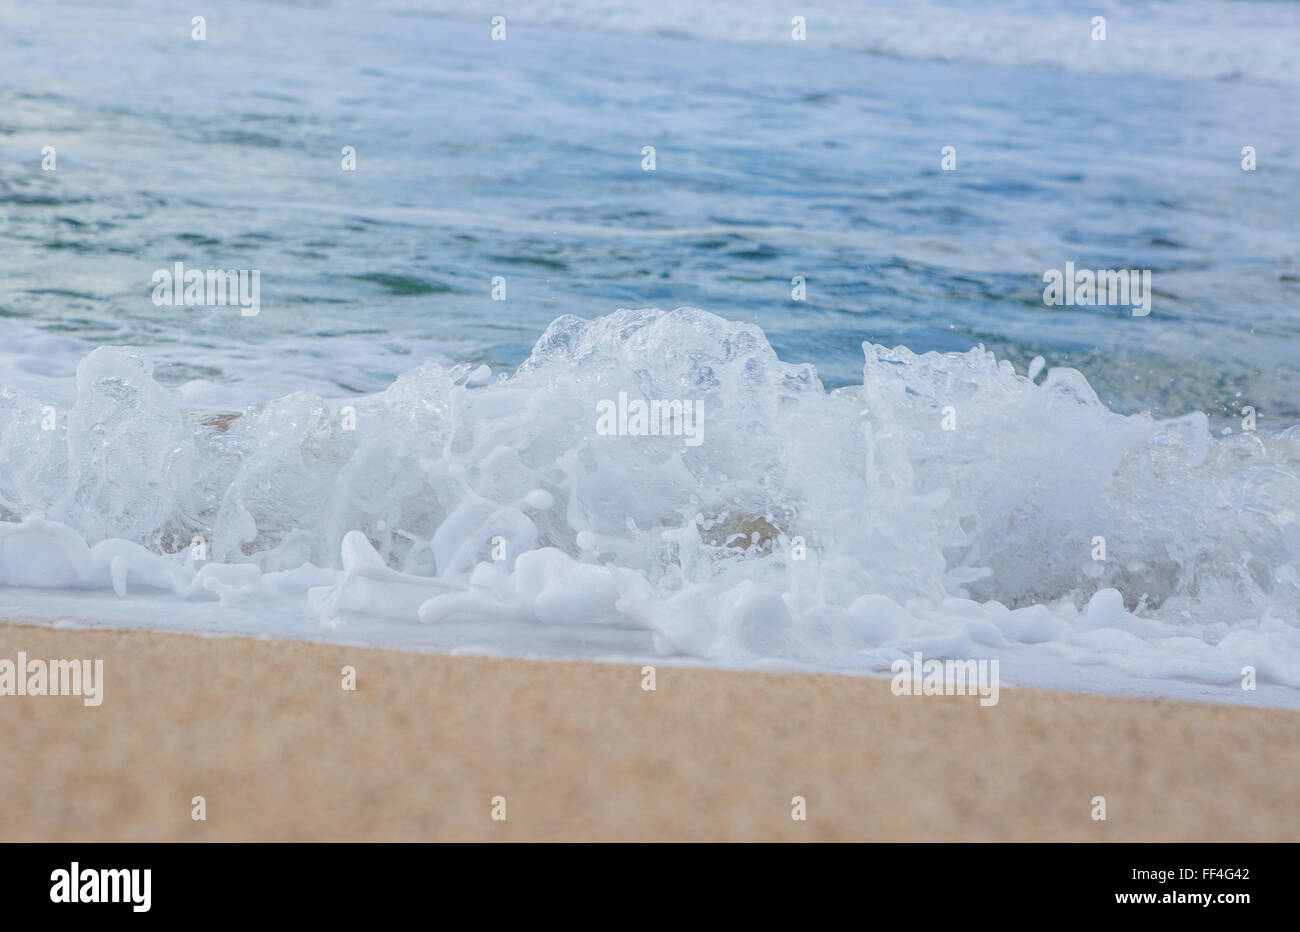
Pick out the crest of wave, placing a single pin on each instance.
(448, 464)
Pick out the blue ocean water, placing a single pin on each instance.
(522, 159)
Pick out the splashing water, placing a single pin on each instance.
(946, 503)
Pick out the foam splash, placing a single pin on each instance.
(947, 504)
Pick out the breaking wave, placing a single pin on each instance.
(946, 503)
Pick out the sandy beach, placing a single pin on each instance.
(264, 731)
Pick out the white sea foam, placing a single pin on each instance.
(976, 541)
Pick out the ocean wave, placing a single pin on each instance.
(946, 503)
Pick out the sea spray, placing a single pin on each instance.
(947, 500)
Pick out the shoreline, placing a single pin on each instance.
(1021, 668)
(264, 730)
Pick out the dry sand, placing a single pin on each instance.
(264, 731)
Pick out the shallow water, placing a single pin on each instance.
(522, 159)
(775, 159)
